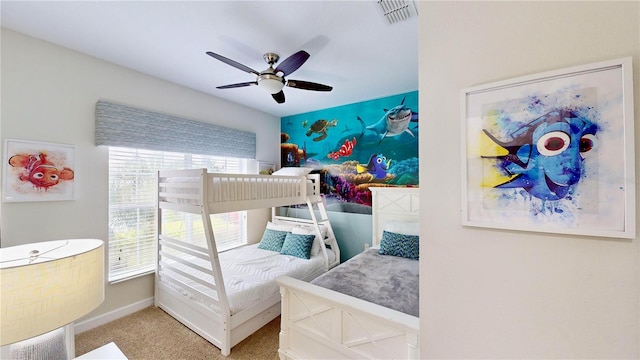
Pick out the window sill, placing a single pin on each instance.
(232, 247)
(121, 278)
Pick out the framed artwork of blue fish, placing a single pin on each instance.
(355, 147)
(552, 152)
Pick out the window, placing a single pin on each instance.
(132, 207)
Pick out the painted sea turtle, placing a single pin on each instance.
(321, 126)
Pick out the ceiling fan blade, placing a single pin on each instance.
(231, 86)
(293, 62)
(307, 85)
(278, 97)
(235, 64)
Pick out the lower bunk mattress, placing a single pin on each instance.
(248, 274)
(386, 280)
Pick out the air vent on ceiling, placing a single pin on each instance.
(398, 10)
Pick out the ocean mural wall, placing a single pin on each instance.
(355, 147)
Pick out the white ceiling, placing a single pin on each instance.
(352, 46)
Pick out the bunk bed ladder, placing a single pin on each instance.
(225, 343)
(315, 203)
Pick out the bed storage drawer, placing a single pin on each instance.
(319, 323)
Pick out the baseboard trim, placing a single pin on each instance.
(112, 315)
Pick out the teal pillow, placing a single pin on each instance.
(298, 245)
(407, 246)
(272, 240)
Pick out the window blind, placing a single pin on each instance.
(132, 208)
(125, 126)
(141, 143)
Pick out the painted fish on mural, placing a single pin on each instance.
(544, 157)
(39, 171)
(378, 166)
(394, 122)
(346, 149)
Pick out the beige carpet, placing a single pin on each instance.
(153, 334)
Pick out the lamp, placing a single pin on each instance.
(47, 285)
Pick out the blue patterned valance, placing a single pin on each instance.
(124, 126)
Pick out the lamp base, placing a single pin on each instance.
(49, 346)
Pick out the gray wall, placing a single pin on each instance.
(494, 294)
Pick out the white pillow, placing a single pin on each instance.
(402, 227)
(280, 227)
(293, 171)
(317, 243)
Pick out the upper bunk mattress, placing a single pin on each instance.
(389, 281)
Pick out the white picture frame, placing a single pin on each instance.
(38, 171)
(552, 152)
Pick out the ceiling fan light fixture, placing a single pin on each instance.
(271, 83)
(273, 80)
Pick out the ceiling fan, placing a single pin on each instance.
(272, 80)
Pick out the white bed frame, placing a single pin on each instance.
(197, 192)
(318, 323)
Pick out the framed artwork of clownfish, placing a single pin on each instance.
(38, 171)
(552, 152)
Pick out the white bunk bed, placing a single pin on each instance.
(228, 296)
(319, 323)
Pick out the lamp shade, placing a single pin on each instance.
(271, 83)
(47, 285)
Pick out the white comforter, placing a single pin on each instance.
(249, 274)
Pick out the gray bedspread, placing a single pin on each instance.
(385, 280)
